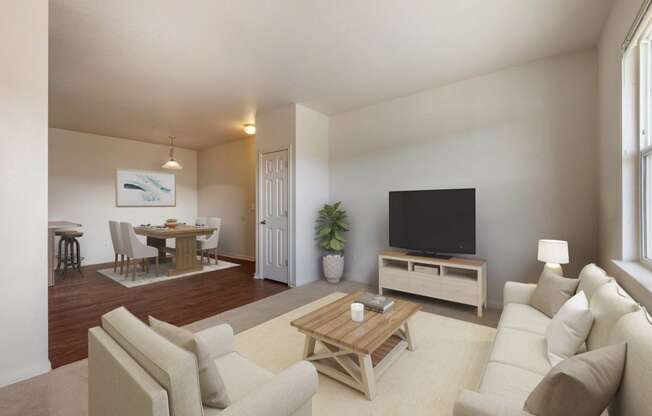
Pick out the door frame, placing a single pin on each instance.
(259, 197)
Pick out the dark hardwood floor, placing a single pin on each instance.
(76, 303)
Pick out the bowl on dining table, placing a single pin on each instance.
(171, 223)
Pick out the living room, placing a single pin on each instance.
(330, 139)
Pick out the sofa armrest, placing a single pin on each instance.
(517, 292)
(218, 338)
(283, 395)
(471, 403)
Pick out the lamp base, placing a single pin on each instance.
(554, 267)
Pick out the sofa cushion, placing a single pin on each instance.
(552, 292)
(240, 375)
(521, 349)
(633, 397)
(213, 392)
(591, 278)
(171, 366)
(569, 328)
(582, 385)
(608, 304)
(524, 318)
(509, 383)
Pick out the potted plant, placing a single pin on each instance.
(331, 224)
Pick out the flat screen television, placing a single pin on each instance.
(432, 222)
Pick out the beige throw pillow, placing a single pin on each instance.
(608, 304)
(582, 385)
(213, 391)
(591, 278)
(552, 292)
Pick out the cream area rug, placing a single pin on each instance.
(450, 356)
(149, 278)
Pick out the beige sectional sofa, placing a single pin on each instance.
(518, 361)
(133, 371)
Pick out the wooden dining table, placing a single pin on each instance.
(185, 259)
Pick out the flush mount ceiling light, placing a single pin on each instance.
(250, 129)
(172, 163)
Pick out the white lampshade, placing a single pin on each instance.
(553, 251)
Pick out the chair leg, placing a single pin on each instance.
(157, 269)
(65, 256)
(115, 263)
(126, 261)
(122, 262)
(78, 259)
(216, 261)
(59, 253)
(133, 272)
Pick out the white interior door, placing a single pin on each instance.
(274, 216)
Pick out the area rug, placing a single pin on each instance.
(450, 356)
(149, 278)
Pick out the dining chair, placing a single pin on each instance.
(201, 221)
(210, 242)
(118, 247)
(136, 250)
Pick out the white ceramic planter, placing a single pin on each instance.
(333, 265)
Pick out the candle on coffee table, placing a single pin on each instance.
(357, 312)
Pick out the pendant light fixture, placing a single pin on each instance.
(250, 129)
(172, 163)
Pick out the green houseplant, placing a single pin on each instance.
(331, 225)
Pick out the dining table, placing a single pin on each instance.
(185, 236)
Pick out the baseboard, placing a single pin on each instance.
(25, 373)
(237, 256)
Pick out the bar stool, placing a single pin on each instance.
(71, 255)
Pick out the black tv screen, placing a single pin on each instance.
(433, 221)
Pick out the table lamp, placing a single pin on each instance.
(554, 253)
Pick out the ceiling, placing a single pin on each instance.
(199, 69)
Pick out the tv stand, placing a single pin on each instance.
(432, 255)
(455, 279)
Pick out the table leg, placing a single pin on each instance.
(185, 260)
(409, 337)
(308, 347)
(368, 376)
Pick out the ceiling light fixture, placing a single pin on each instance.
(172, 163)
(250, 129)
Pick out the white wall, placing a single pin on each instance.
(311, 190)
(24, 172)
(82, 185)
(226, 176)
(525, 137)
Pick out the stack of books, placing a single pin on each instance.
(376, 303)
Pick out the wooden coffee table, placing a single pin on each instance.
(356, 354)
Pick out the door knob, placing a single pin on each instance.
(263, 222)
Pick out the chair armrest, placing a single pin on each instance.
(219, 339)
(283, 395)
(517, 292)
(471, 403)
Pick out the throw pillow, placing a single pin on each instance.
(591, 278)
(608, 304)
(552, 292)
(213, 391)
(582, 385)
(569, 328)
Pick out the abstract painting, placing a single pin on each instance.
(140, 188)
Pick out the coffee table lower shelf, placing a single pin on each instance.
(358, 370)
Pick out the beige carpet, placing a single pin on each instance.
(143, 278)
(450, 356)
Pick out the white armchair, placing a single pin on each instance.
(135, 249)
(210, 242)
(133, 371)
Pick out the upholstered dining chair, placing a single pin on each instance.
(136, 250)
(209, 243)
(118, 247)
(201, 221)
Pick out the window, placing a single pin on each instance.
(645, 146)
